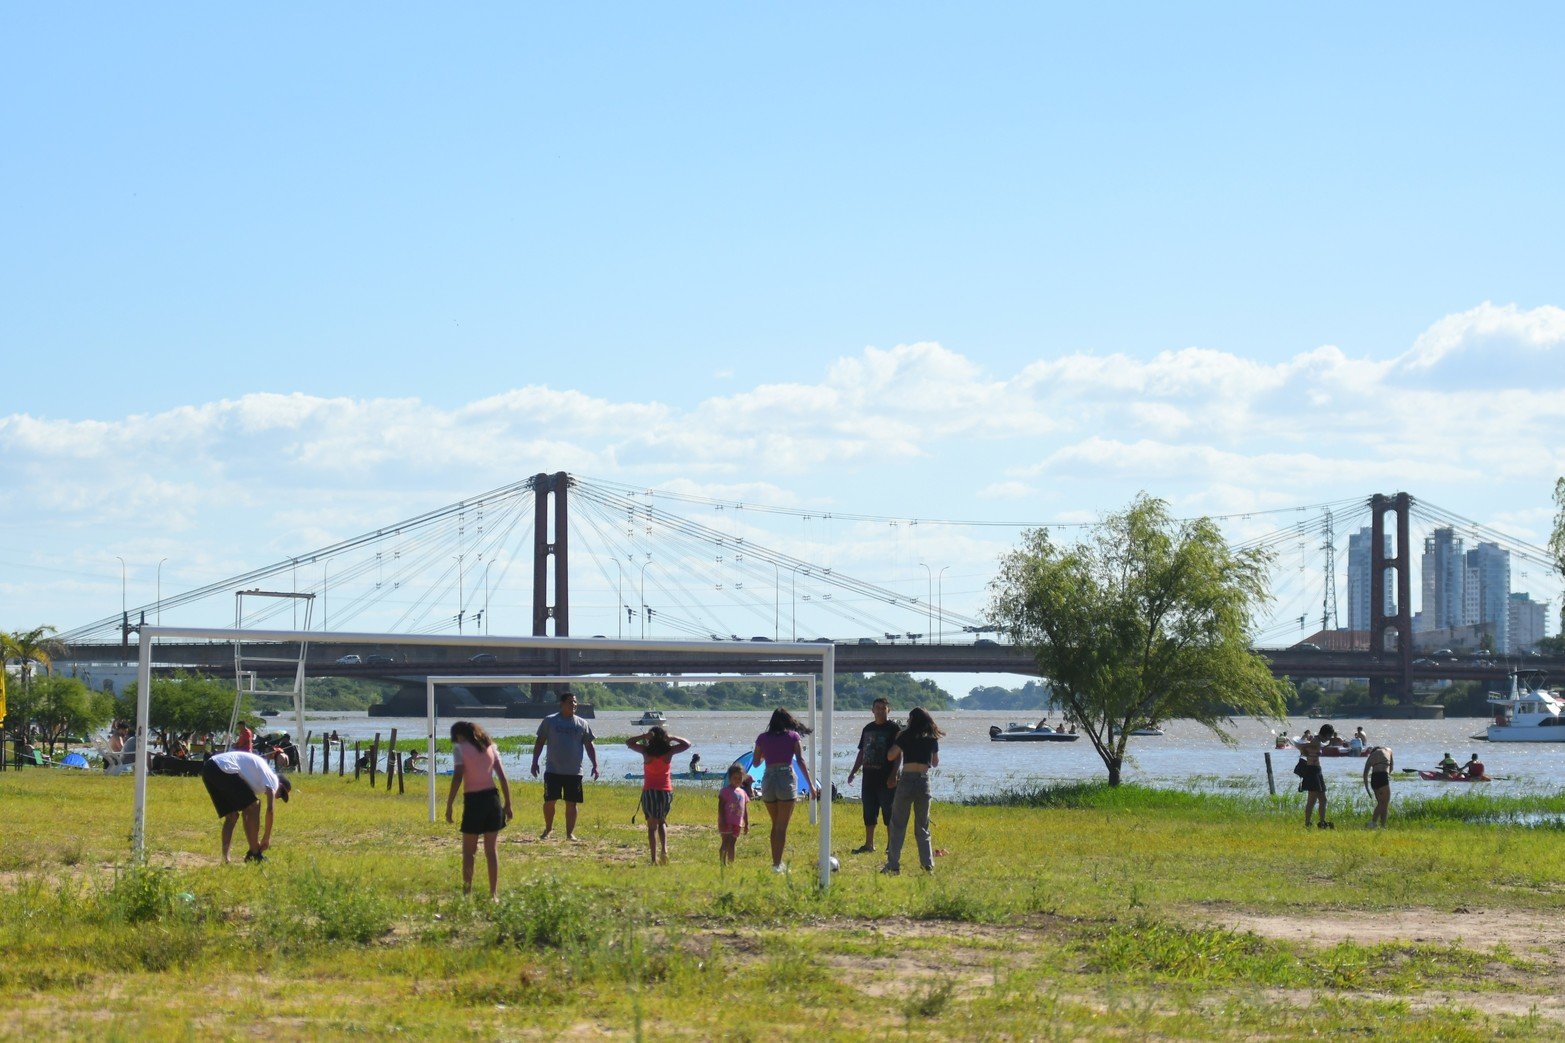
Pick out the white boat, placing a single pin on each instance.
(1149, 730)
(1526, 715)
(650, 717)
(1029, 733)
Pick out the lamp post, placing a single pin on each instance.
(940, 601)
(325, 589)
(620, 597)
(160, 590)
(486, 597)
(458, 558)
(123, 610)
(929, 601)
(793, 593)
(644, 568)
(776, 602)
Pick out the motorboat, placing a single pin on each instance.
(1149, 730)
(1526, 715)
(649, 718)
(1029, 733)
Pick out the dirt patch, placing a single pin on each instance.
(1525, 933)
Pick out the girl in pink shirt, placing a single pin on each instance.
(733, 813)
(657, 749)
(477, 767)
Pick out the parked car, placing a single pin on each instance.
(1445, 653)
(351, 659)
(484, 657)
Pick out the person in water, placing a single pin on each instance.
(1379, 763)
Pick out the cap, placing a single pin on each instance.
(284, 787)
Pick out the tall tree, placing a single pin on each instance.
(1557, 540)
(1146, 620)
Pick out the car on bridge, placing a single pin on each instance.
(351, 659)
(380, 660)
(484, 657)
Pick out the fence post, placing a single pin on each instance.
(342, 756)
(391, 764)
(356, 760)
(374, 759)
(1271, 783)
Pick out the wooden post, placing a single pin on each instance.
(356, 759)
(1271, 783)
(391, 763)
(326, 754)
(311, 769)
(400, 786)
(342, 756)
(374, 759)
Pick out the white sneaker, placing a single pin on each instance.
(780, 867)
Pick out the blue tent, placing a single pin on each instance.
(73, 760)
(755, 771)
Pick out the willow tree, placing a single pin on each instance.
(1147, 619)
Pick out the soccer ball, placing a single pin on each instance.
(835, 865)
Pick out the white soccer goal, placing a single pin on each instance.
(804, 652)
(437, 681)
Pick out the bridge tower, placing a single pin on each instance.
(545, 487)
(1385, 619)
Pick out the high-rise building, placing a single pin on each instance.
(1361, 545)
(1444, 581)
(1529, 621)
(1487, 592)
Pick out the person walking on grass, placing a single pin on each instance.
(916, 749)
(1379, 763)
(477, 766)
(733, 813)
(567, 737)
(657, 749)
(778, 747)
(1312, 781)
(876, 796)
(236, 781)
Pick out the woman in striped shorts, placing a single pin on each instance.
(658, 750)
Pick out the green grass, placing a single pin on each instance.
(1072, 912)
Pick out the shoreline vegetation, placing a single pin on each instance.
(1067, 912)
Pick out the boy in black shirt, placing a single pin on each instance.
(874, 740)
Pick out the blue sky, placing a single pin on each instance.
(268, 279)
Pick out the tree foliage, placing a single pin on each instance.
(186, 704)
(1557, 539)
(1146, 620)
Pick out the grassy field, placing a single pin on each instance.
(1075, 913)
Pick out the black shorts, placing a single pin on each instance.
(558, 786)
(230, 794)
(877, 797)
(1312, 781)
(1379, 780)
(657, 803)
(482, 812)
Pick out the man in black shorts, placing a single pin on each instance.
(874, 741)
(236, 781)
(566, 737)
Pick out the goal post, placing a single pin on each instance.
(804, 652)
(435, 681)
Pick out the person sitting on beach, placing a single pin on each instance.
(1474, 768)
(695, 764)
(412, 761)
(1449, 767)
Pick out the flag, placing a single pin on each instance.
(2, 692)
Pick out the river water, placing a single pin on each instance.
(1187, 756)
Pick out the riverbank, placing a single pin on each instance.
(1131, 912)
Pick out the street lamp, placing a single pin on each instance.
(160, 590)
(325, 588)
(940, 599)
(458, 559)
(486, 597)
(929, 600)
(619, 586)
(776, 602)
(644, 568)
(793, 593)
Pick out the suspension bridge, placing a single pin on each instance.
(561, 555)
